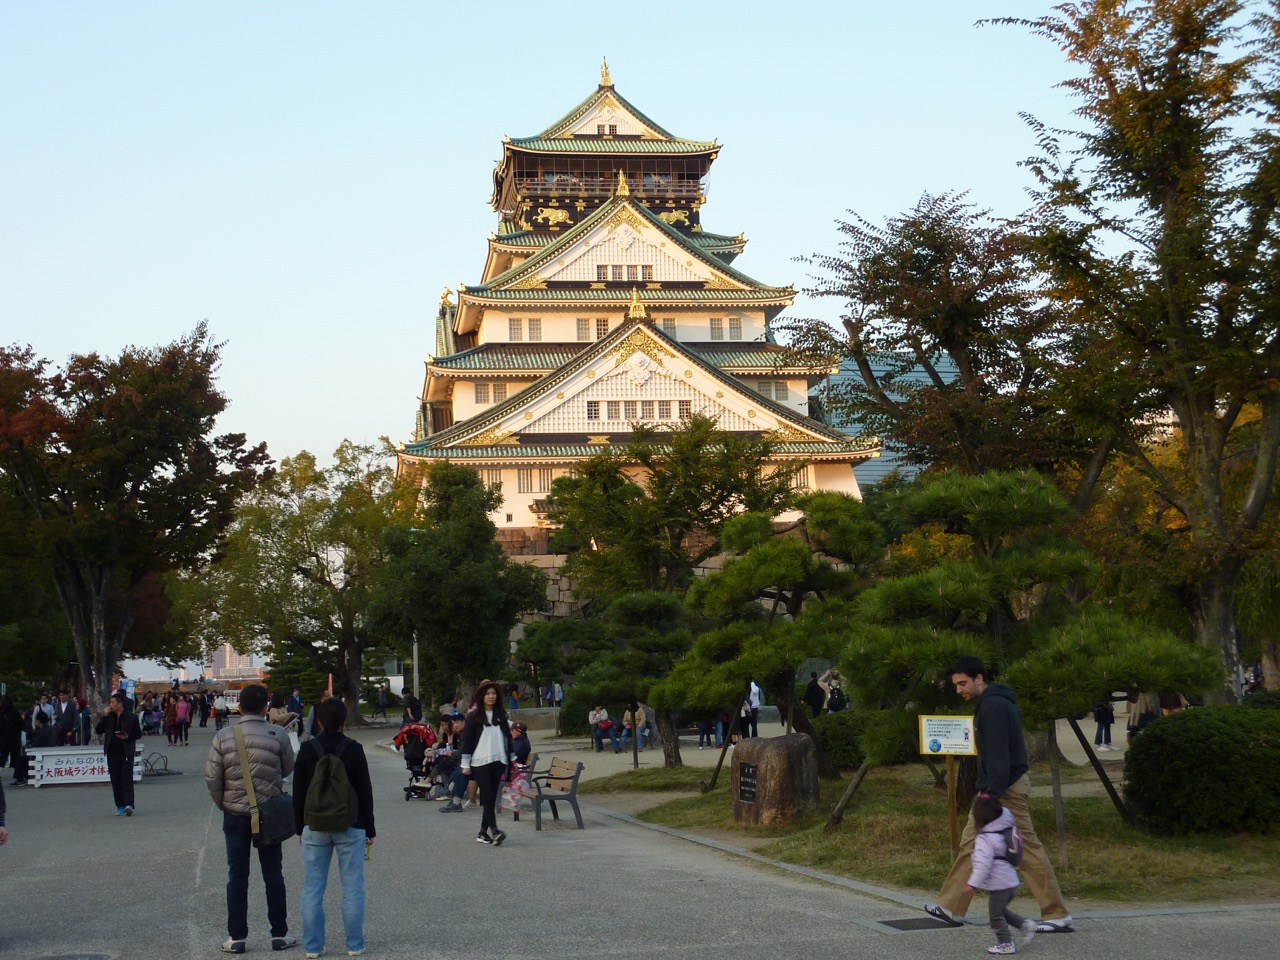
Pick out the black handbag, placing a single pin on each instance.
(271, 823)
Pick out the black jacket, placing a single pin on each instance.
(1002, 753)
(475, 724)
(126, 723)
(357, 765)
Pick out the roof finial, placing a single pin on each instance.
(446, 297)
(604, 73)
(623, 190)
(636, 310)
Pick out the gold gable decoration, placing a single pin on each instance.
(624, 217)
(637, 342)
(499, 436)
(532, 282)
(718, 282)
(787, 434)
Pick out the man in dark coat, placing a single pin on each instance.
(120, 731)
(1002, 774)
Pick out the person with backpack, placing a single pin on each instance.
(997, 851)
(333, 801)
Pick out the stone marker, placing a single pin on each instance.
(774, 779)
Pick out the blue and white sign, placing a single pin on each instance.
(947, 736)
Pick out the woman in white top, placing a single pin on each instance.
(486, 751)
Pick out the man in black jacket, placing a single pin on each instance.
(120, 731)
(319, 845)
(1002, 773)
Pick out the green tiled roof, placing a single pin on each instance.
(601, 214)
(582, 108)
(655, 297)
(615, 146)
(549, 382)
(550, 356)
(532, 238)
(423, 448)
(509, 356)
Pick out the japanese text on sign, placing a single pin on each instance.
(942, 736)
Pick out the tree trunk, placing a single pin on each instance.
(1059, 812)
(670, 742)
(1268, 655)
(1216, 628)
(837, 812)
(351, 682)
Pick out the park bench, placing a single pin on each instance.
(558, 783)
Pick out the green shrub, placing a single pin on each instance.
(840, 735)
(1262, 700)
(1206, 770)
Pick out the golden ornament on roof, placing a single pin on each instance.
(636, 310)
(623, 190)
(604, 73)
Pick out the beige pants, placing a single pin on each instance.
(1036, 868)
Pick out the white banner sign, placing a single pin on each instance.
(54, 765)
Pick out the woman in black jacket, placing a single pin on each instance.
(486, 751)
(11, 739)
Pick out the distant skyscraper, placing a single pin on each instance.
(226, 664)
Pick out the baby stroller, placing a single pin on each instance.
(415, 741)
(152, 722)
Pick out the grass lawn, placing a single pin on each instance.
(895, 833)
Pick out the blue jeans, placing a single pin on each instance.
(626, 735)
(236, 831)
(317, 851)
(599, 737)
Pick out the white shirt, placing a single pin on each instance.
(491, 748)
(755, 695)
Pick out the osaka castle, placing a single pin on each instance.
(604, 304)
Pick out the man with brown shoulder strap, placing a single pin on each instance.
(270, 760)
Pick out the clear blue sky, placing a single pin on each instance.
(310, 176)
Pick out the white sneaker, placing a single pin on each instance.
(314, 955)
(469, 805)
(1056, 925)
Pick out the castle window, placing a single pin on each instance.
(599, 129)
(602, 328)
(776, 389)
(646, 409)
(616, 271)
(535, 328)
(633, 271)
(515, 327)
(499, 392)
(686, 409)
(735, 329)
(613, 129)
(800, 479)
(593, 409)
(629, 410)
(646, 271)
(491, 477)
(614, 408)
(531, 480)
(584, 328)
(602, 271)
(717, 328)
(669, 326)
(664, 409)
(482, 392)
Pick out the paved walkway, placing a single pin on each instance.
(83, 883)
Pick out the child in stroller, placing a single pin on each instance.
(152, 722)
(415, 741)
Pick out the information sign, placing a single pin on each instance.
(947, 736)
(747, 782)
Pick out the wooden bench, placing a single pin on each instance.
(559, 782)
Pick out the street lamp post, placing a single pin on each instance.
(416, 694)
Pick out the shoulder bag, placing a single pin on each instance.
(272, 822)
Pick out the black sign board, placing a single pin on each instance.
(747, 782)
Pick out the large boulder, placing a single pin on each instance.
(774, 779)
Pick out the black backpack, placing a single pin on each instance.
(331, 804)
(1012, 845)
(836, 700)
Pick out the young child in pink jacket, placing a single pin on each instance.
(993, 873)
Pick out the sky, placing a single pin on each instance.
(309, 176)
